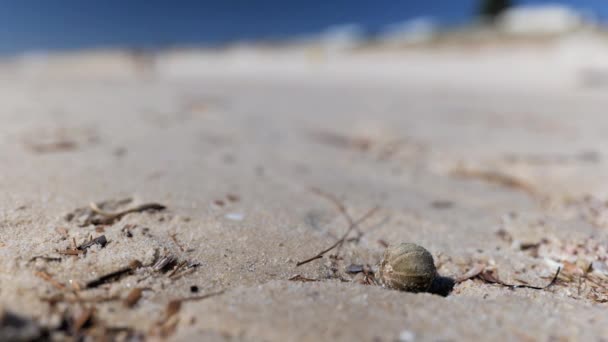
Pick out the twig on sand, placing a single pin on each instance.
(114, 275)
(341, 240)
(299, 277)
(48, 278)
(497, 178)
(339, 205)
(111, 217)
(179, 245)
(490, 278)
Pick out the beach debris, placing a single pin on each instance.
(179, 245)
(126, 230)
(107, 212)
(133, 297)
(45, 258)
(113, 276)
(62, 231)
(490, 276)
(471, 273)
(342, 141)
(301, 278)
(165, 263)
(504, 236)
(178, 267)
(497, 178)
(383, 243)
(407, 267)
(354, 269)
(442, 204)
(341, 240)
(61, 145)
(189, 268)
(111, 217)
(339, 205)
(100, 240)
(48, 278)
(233, 198)
(70, 252)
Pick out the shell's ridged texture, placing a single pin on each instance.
(407, 267)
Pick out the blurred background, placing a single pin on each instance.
(183, 38)
(70, 24)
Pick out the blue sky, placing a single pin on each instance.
(27, 25)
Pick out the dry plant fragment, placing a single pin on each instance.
(470, 274)
(133, 297)
(341, 240)
(111, 217)
(163, 264)
(57, 146)
(47, 277)
(102, 212)
(70, 252)
(496, 178)
(490, 277)
(174, 238)
(301, 278)
(113, 276)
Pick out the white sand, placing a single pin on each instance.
(373, 128)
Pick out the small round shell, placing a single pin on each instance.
(407, 267)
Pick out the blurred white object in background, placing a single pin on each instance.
(542, 19)
(342, 37)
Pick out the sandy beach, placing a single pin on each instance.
(493, 159)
